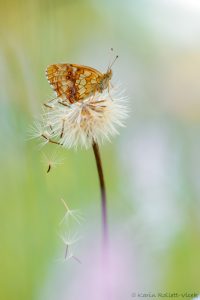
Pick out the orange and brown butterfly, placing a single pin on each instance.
(73, 83)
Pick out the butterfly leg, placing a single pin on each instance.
(112, 86)
(93, 94)
(109, 90)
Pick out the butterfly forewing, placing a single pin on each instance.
(73, 82)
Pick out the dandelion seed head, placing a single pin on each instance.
(95, 119)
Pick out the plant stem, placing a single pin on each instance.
(103, 192)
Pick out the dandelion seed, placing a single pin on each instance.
(77, 259)
(36, 130)
(47, 105)
(73, 213)
(63, 128)
(66, 251)
(68, 241)
(52, 161)
(67, 255)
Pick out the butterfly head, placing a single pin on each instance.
(105, 80)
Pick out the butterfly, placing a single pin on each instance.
(74, 83)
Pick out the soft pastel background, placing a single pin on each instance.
(152, 169)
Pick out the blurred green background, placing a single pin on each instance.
(152, 169)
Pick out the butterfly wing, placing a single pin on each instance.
(73, 82)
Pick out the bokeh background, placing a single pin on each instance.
(152, 169)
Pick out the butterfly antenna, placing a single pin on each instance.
(113, 61)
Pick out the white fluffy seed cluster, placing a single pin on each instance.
(94, 119)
